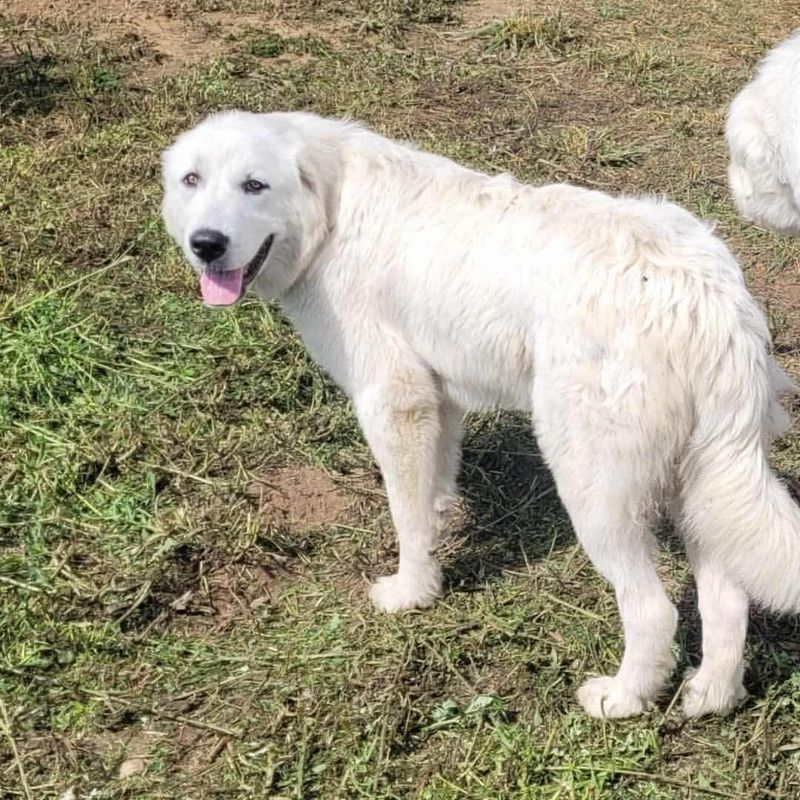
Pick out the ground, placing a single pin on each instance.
(189, 517)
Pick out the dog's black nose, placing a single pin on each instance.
(208, 245)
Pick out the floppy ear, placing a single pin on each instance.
(320, 175)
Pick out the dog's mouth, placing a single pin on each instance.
(224, 287)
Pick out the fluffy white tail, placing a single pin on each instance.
(734, 506)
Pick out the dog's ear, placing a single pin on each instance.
(320, 172)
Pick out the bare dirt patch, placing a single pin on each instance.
(300, 496)
(482, 12)
(226, 593)
(205, 588)
(131, 748)
(779, 295)
(171, 40)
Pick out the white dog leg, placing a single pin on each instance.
(622, 552)
(716, 687)
(620, 547)
(603, 477)
(401, 418)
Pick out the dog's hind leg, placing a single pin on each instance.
(402, 418)
(716, 687)
(604, 479)
(620, 546)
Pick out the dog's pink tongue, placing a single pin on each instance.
(221, 288)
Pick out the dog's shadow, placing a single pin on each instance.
(510, 513)
(32, 83)
(511, 516)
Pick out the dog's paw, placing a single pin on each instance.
(444, 501)
(606, 698)
(400, 591)
(704, 694)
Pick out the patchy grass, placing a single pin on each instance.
(550, 32)
(188, 514)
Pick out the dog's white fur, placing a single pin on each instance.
(763, 135)
(622, 324)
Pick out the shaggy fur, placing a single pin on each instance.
(763, 134)
(622, 324)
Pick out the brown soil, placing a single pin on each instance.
(481, 12)
(779, 295)
(207, 589)
(224, 594)
(302, 496)
(170, 39)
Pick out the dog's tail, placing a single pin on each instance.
(734, 506)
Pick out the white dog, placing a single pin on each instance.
(763, 134)
(622, 324)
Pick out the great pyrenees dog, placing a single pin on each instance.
(622, 324)
(763, 135)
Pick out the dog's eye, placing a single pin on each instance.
(255, 187)
(190, 179)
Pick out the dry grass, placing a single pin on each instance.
(163, 633)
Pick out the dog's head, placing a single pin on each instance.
(248, 200)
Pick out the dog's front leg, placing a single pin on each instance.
(401, 418)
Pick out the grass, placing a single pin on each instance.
(165, 631)
(550, 32)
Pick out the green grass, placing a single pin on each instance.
(549, 32)
(155, 613)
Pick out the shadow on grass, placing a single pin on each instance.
(31, 84)
(512, 511)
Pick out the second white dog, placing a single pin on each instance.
(623, 324)
(763, 134)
